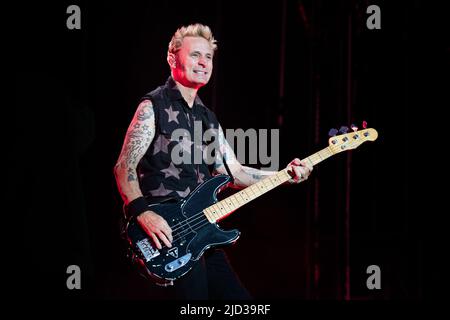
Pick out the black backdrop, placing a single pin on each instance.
(76, 91)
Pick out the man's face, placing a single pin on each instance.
(193, 62)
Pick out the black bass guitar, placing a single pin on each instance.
(194, 219)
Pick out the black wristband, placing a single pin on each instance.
(136, 207)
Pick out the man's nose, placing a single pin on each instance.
(202, 61)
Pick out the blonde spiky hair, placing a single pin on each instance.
(192, 30)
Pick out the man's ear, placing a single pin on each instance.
(171, 60)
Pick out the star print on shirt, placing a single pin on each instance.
(161, 191)
(172, 114)
(161, 144)
(184, 193)
(172, 171)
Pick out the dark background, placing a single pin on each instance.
(300, 66)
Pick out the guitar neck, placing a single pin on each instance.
(224, 207)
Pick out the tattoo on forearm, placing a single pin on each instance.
(146, 112)
(225, 151)
(257, 174)
(218, 164)
(254, 173)
(138, 138)
(132, 174)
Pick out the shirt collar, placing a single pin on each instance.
(175, 94)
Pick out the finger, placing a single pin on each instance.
(164, 239)
(156, 240)
(306, 165)
(167, 230)
(167, 233)
(298, 173)
(304, 173)
(296, 161)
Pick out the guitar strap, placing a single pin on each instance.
(226, 167)
(205, 127)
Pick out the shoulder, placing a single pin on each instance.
(158, 97)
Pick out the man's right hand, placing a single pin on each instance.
(156, 227)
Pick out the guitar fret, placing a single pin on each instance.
(243, 199)
(236, 200)
(220, 205)
(230, 203)
(252, 187)
(210, 216)
(271, 182)
(250, 190)
(271, 185)
(225, 204)
(215, 211)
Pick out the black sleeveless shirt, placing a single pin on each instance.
(174, 163)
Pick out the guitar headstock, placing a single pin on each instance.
(351, 140)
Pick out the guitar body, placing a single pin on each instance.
(192, 233)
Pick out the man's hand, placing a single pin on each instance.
(300, 170)
(156, 227)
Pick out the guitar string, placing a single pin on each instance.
(191, 228)
(328, 152)
(180, 224)
(198, 215)
(194, 228)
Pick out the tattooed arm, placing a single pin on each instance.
(245, 176)
(137, 140)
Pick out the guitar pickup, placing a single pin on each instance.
(178, 263)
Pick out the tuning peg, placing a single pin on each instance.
(343, 129)
(364, 124)
(332, 132)
(354, 127)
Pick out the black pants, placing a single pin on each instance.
(211, 279)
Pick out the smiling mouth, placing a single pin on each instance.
(200, 72)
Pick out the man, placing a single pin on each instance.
(146, 170)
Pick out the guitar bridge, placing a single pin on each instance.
(147, 250)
